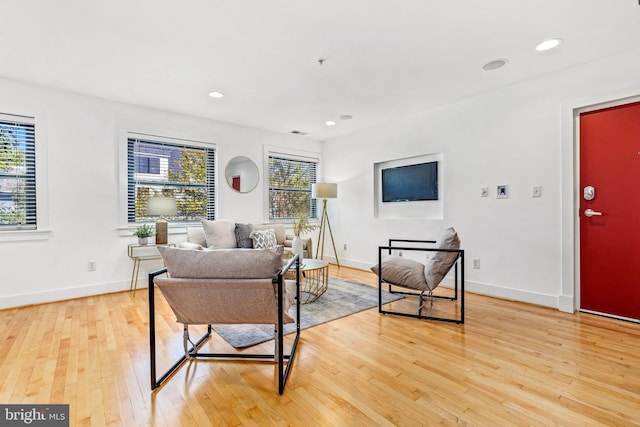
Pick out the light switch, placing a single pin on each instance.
(484, 192)
(536, 191)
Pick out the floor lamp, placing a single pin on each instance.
(324, 191)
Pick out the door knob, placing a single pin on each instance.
(590, 212)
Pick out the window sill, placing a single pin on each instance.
(127, 231)
(24, 235)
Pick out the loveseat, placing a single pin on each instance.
(226, 234)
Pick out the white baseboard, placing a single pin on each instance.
(563, 303)
(566, 304)
(512, 294)
(560, 302)
(66, 294)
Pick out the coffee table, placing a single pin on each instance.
(314, 279)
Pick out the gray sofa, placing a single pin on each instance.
(226, 234)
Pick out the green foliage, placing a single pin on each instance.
(302, 225)
(145, 230)
(191, 202)
(10, 154)
(11, 159)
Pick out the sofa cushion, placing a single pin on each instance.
(243, 235)
(220, 234)
(196, 235)
(440, 264)
(402, 271)
(263, 239)
(222, 263)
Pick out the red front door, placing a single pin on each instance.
(610, 211)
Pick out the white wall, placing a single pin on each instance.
(521, 136)
(80, 140)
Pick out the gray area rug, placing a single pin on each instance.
(343, 297)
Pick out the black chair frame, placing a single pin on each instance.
(278, 355)
(458, 280)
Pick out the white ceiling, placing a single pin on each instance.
(384, 59)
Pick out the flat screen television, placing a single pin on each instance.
(410, 183)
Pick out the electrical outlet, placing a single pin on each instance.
(484, 191)
(476, 264)
(344, 247)
(91, 266)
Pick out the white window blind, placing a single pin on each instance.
(290, 182)
(181, 171)
(17, 174)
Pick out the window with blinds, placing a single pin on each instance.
(17, 174)
(290, 182)
(184, 172)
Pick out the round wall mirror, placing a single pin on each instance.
(242, 174)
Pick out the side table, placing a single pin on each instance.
(139, 253)
(315, 280)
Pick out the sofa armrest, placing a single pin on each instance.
(307, 244)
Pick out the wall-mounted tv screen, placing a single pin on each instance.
(410, 183)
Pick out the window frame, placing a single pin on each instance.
(30, 175)
(295, 155)
(126, 170)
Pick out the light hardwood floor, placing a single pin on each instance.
(510, 364)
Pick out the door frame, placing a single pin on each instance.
(569, 299)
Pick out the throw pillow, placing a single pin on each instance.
(196, 235)
(222, 263)
(243, 235)
(402, 271)
(220, 234)
(439, 265)
(278, 228)
(264, 239)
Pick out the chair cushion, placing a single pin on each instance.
(263, 239)
(222, 263)
(220, 234)
(243, 235)
(441, 262)
(402, 271)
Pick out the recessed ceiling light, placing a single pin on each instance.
(330, 123)
(494, 65)
(548, 44)
(216, 94)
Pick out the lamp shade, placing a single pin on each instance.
(161, 206)
(324, 190)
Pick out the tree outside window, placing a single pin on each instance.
(290, 188)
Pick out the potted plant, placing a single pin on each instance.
(143, 233)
